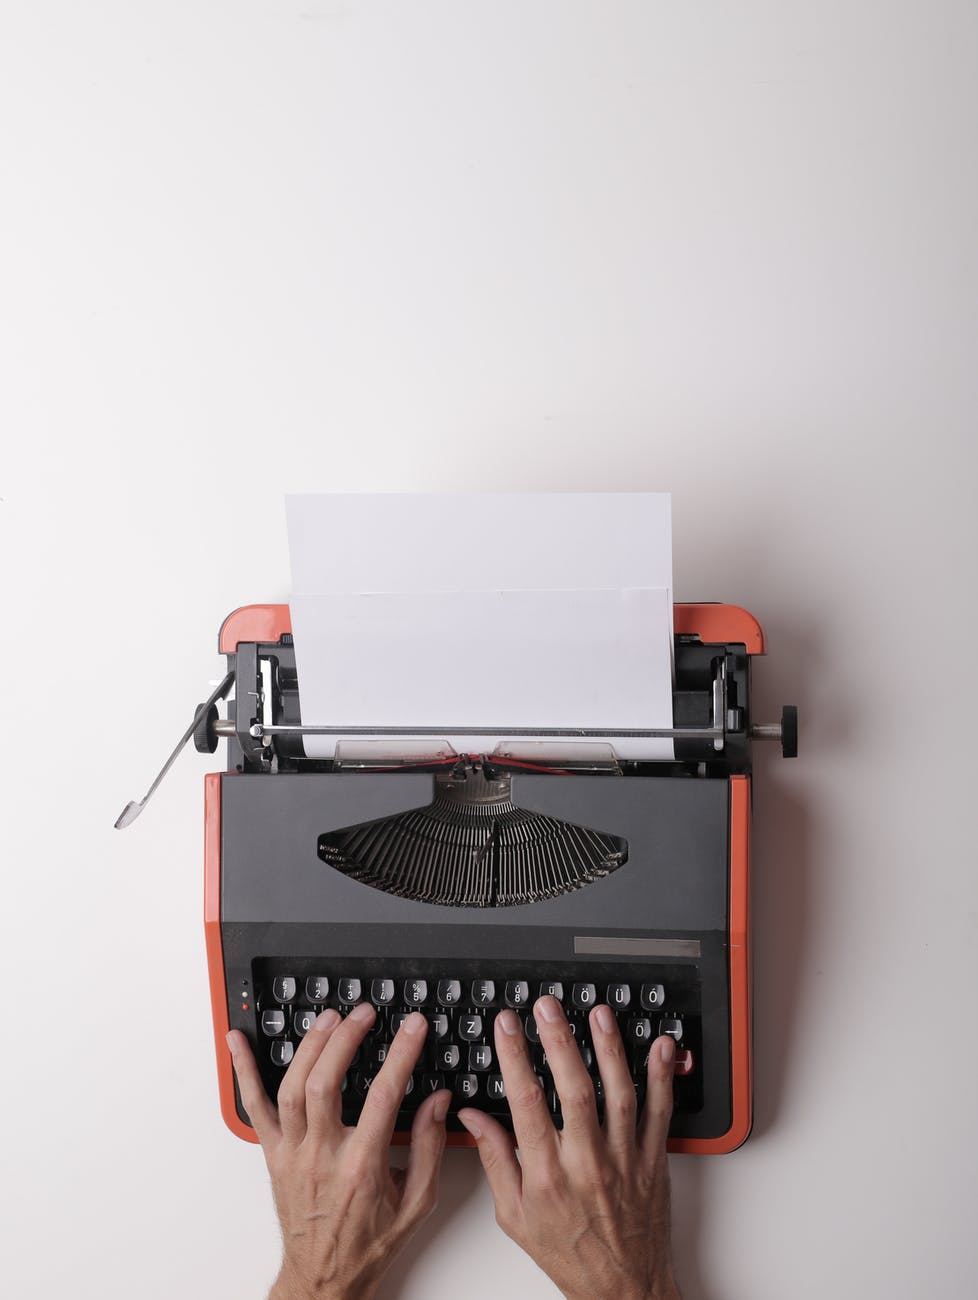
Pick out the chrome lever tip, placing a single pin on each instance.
(128, 815)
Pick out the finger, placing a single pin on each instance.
(324, 1105)
(619, 1090)
(573, 1083)
(498, 1156)
(535, 1132)
(254, 1098)
(292, 1091)
(657, 1112)
(385, 1095)
(424, 1158)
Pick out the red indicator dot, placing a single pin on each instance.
(244, 1006)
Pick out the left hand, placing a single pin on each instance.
(345, 1213)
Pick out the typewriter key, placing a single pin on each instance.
(584, 996)
(640, 1030)
(469, 1027)
(382, 992)
(303, 1021)
(618, 996)
(483, 992)
(282, 1052)
(517, 993)
(284, 988)
(448, 1056)
(376, 1056)
(438, 1025)
(466, 1086)
(317, 988)
(349, 991)
(480, 1056)
(449, 992)
(272, 1023)
(653, 995)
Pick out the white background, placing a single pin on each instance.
(722, 250)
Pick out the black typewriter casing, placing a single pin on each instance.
(674, 913)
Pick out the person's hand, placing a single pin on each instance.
(589, 1204)
(344, 1212)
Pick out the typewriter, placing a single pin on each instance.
(457, 884)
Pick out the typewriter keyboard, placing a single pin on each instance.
(460, 1002)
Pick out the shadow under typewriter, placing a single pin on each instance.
(473, 847)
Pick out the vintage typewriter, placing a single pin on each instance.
(459, 884)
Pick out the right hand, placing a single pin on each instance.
(590, 1203)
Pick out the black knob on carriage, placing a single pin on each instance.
(205, 736)
(789, 731)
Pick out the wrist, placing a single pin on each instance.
(665, 1289)
(289, 1287)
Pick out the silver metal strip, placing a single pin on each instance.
(606, 945)
(658, 733)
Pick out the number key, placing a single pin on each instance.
(449, 993)
(517, 993)
(483, 993)
(349, 991)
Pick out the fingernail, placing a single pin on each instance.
(667, 1050)
(361, 1012)
(232, 1043)
(605, 1019)
(509, 1021)
(327, 1020)
(548, 1008)
(440, 1109)
(467, 1119)
(415, 1023)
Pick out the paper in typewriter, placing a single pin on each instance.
(493, 611)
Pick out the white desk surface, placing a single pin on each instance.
(253, 249)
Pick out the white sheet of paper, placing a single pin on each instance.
(489, 611)
(506, 541)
